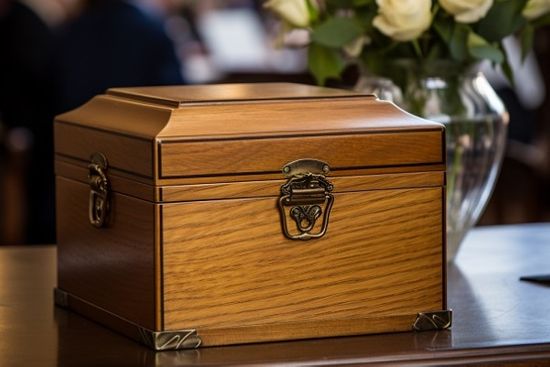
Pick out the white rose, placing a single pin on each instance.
(295, 12)
(536, 8)
(403, 20)
(467, 11)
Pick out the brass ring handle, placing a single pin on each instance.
(99, 205)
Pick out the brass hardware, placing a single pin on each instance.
(435, 320)
(304, 166)
(306, 197)
(158, 340)
(98, 208)
(170, 340)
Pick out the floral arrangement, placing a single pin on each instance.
(369, 32)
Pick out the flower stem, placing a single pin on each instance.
(417, 48)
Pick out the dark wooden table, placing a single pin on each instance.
(497, 318)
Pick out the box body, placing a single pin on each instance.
(248, 213)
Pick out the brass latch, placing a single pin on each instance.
(306, 197)
(98, 208)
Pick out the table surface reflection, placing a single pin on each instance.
(496, 317)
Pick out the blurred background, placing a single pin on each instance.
(57, 54)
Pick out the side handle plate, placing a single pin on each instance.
(99, 203)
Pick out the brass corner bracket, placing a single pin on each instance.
(170, 340)
(434, 320)
(156, 340)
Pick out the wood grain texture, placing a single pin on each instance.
(270, 155)
(159, 281)
(227, 264)
(174, 96)
(306, 329)
(289, 117)
(119, 116)
(270, 188)
(277, 175)
(123, 184)
(113, 267)
(156, 125)
(125, 153)
(76, 170)
(80, 168)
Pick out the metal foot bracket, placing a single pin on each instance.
(170, 340)
(157, 340)
(434, 320)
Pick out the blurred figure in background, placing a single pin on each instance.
(26, 112)
(113, 43)
(55, 56)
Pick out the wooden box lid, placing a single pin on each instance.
(174, 132)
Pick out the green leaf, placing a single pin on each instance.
(526, 37)
(480, 49)
(313, 11)
(324, 62)
(364, 17)
(436, 51)
(374, 61)
(336, 32)
(458, 42)
(333, 5)
(508, 71)
(362, 2)
(417, 49)
(444, 28)
(503, 19)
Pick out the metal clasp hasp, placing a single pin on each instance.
(306, 197)
(99, 205)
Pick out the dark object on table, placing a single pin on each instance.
(545, 279)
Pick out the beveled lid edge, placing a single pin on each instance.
(231, 93)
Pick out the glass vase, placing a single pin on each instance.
(476, 126)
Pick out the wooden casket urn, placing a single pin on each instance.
(240, 213)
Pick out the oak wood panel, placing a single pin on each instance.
(79, 171)
(76, 170)
(277, 175)
(112, 267)
(289, 118)
(228, 190)
(136, 126)
(121, 184)
(270, 155)
(81, 165)
(122, 152)
(119, 116)
(159, 286)
(227, 264)
(175, 96)
(306, 329)
(291, 111)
